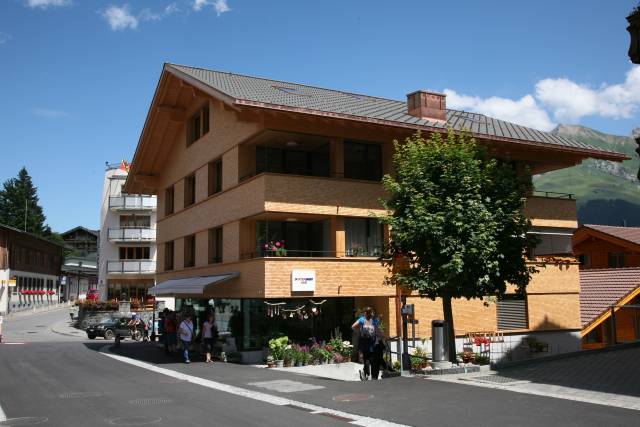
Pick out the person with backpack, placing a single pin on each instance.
(370, 334)
(185, 330)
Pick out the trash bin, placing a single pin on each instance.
(439, 344)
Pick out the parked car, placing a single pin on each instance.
(93, 294)
(109, 329)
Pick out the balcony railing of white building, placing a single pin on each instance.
(133, 202)
(131, 266)
(130, 235)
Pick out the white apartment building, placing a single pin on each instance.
(127, 254)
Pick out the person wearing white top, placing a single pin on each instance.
(185, 330)
(209, 332)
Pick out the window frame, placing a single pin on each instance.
(189, 251)
(189, 190)
(216, 241)
(214, 176)
(169, 260)
(169, 200)
(199, 124)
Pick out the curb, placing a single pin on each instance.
(504, 365)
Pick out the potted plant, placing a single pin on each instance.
(276, 347)
(270, 362)
(288, 356)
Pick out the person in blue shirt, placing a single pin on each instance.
(370, 334)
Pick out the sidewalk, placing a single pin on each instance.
(64, 327)
(411, 401)
(38, 310)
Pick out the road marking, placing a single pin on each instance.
(251, 394)
(13, 343)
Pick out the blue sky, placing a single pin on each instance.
(77, 76)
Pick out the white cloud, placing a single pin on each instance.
(50, 113)
(120, 17)
(524, 111)
(4, 37)
(43, 4)
(571, 101)
(149, 15)
(220, 6)
(563, 99)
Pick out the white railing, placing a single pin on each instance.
(131, 266)
(132, 234)
(134, 202)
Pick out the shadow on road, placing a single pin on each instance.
(614, 371)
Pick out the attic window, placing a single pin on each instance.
(290, 90)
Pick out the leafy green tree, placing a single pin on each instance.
(19, 207)
(457, 223)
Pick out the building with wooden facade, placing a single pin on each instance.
(267, 197)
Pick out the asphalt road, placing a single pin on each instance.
(67, 381)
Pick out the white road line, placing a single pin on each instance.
(251, 394)
(3, 416)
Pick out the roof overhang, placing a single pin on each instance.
(584, 232)
(190, 287)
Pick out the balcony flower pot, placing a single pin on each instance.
(279, 364)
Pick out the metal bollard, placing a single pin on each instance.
(117, 342)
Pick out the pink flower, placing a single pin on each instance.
(266, 246)
(277, 244)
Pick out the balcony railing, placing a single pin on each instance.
(132, 202)
(131, 266)
(304, 253)
(132, 234)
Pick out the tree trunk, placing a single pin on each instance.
(451, 336)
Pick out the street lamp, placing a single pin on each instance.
(634, 50)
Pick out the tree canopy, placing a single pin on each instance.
(19, 206)
(456, 220)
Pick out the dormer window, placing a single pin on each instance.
(198, 125)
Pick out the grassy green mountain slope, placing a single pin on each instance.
(607, 192)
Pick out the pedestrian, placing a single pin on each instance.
(171, 328)
(162, 322)
(186, 336)
(368, 327)
(209, 334)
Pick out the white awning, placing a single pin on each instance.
(191, 286)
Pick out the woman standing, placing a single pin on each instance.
(209, 334)
(369, 328)
(186, 335)
(171, 328)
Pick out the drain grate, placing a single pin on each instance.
(24, 421)
(81, 395)
(150, 401)
(353, 397)
(497, 379)
(134, 421)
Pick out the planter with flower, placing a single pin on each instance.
(276, 349)
(275, 248)
(270, 362)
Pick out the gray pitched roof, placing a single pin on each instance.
(334, 102)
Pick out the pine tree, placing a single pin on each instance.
(19, 206)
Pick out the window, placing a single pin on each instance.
(512, 312)
(551, 241)
(215, 245)
(215, 176)
(585, 260)
(363, 237)
(134, 252)
(168, 201)
(616, 259)
(281, 160)
(198, 125)
(190, 251)
(168, 256)
(362, 161)
(190, 190)
(135, 221)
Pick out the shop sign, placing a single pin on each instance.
(303, 280)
